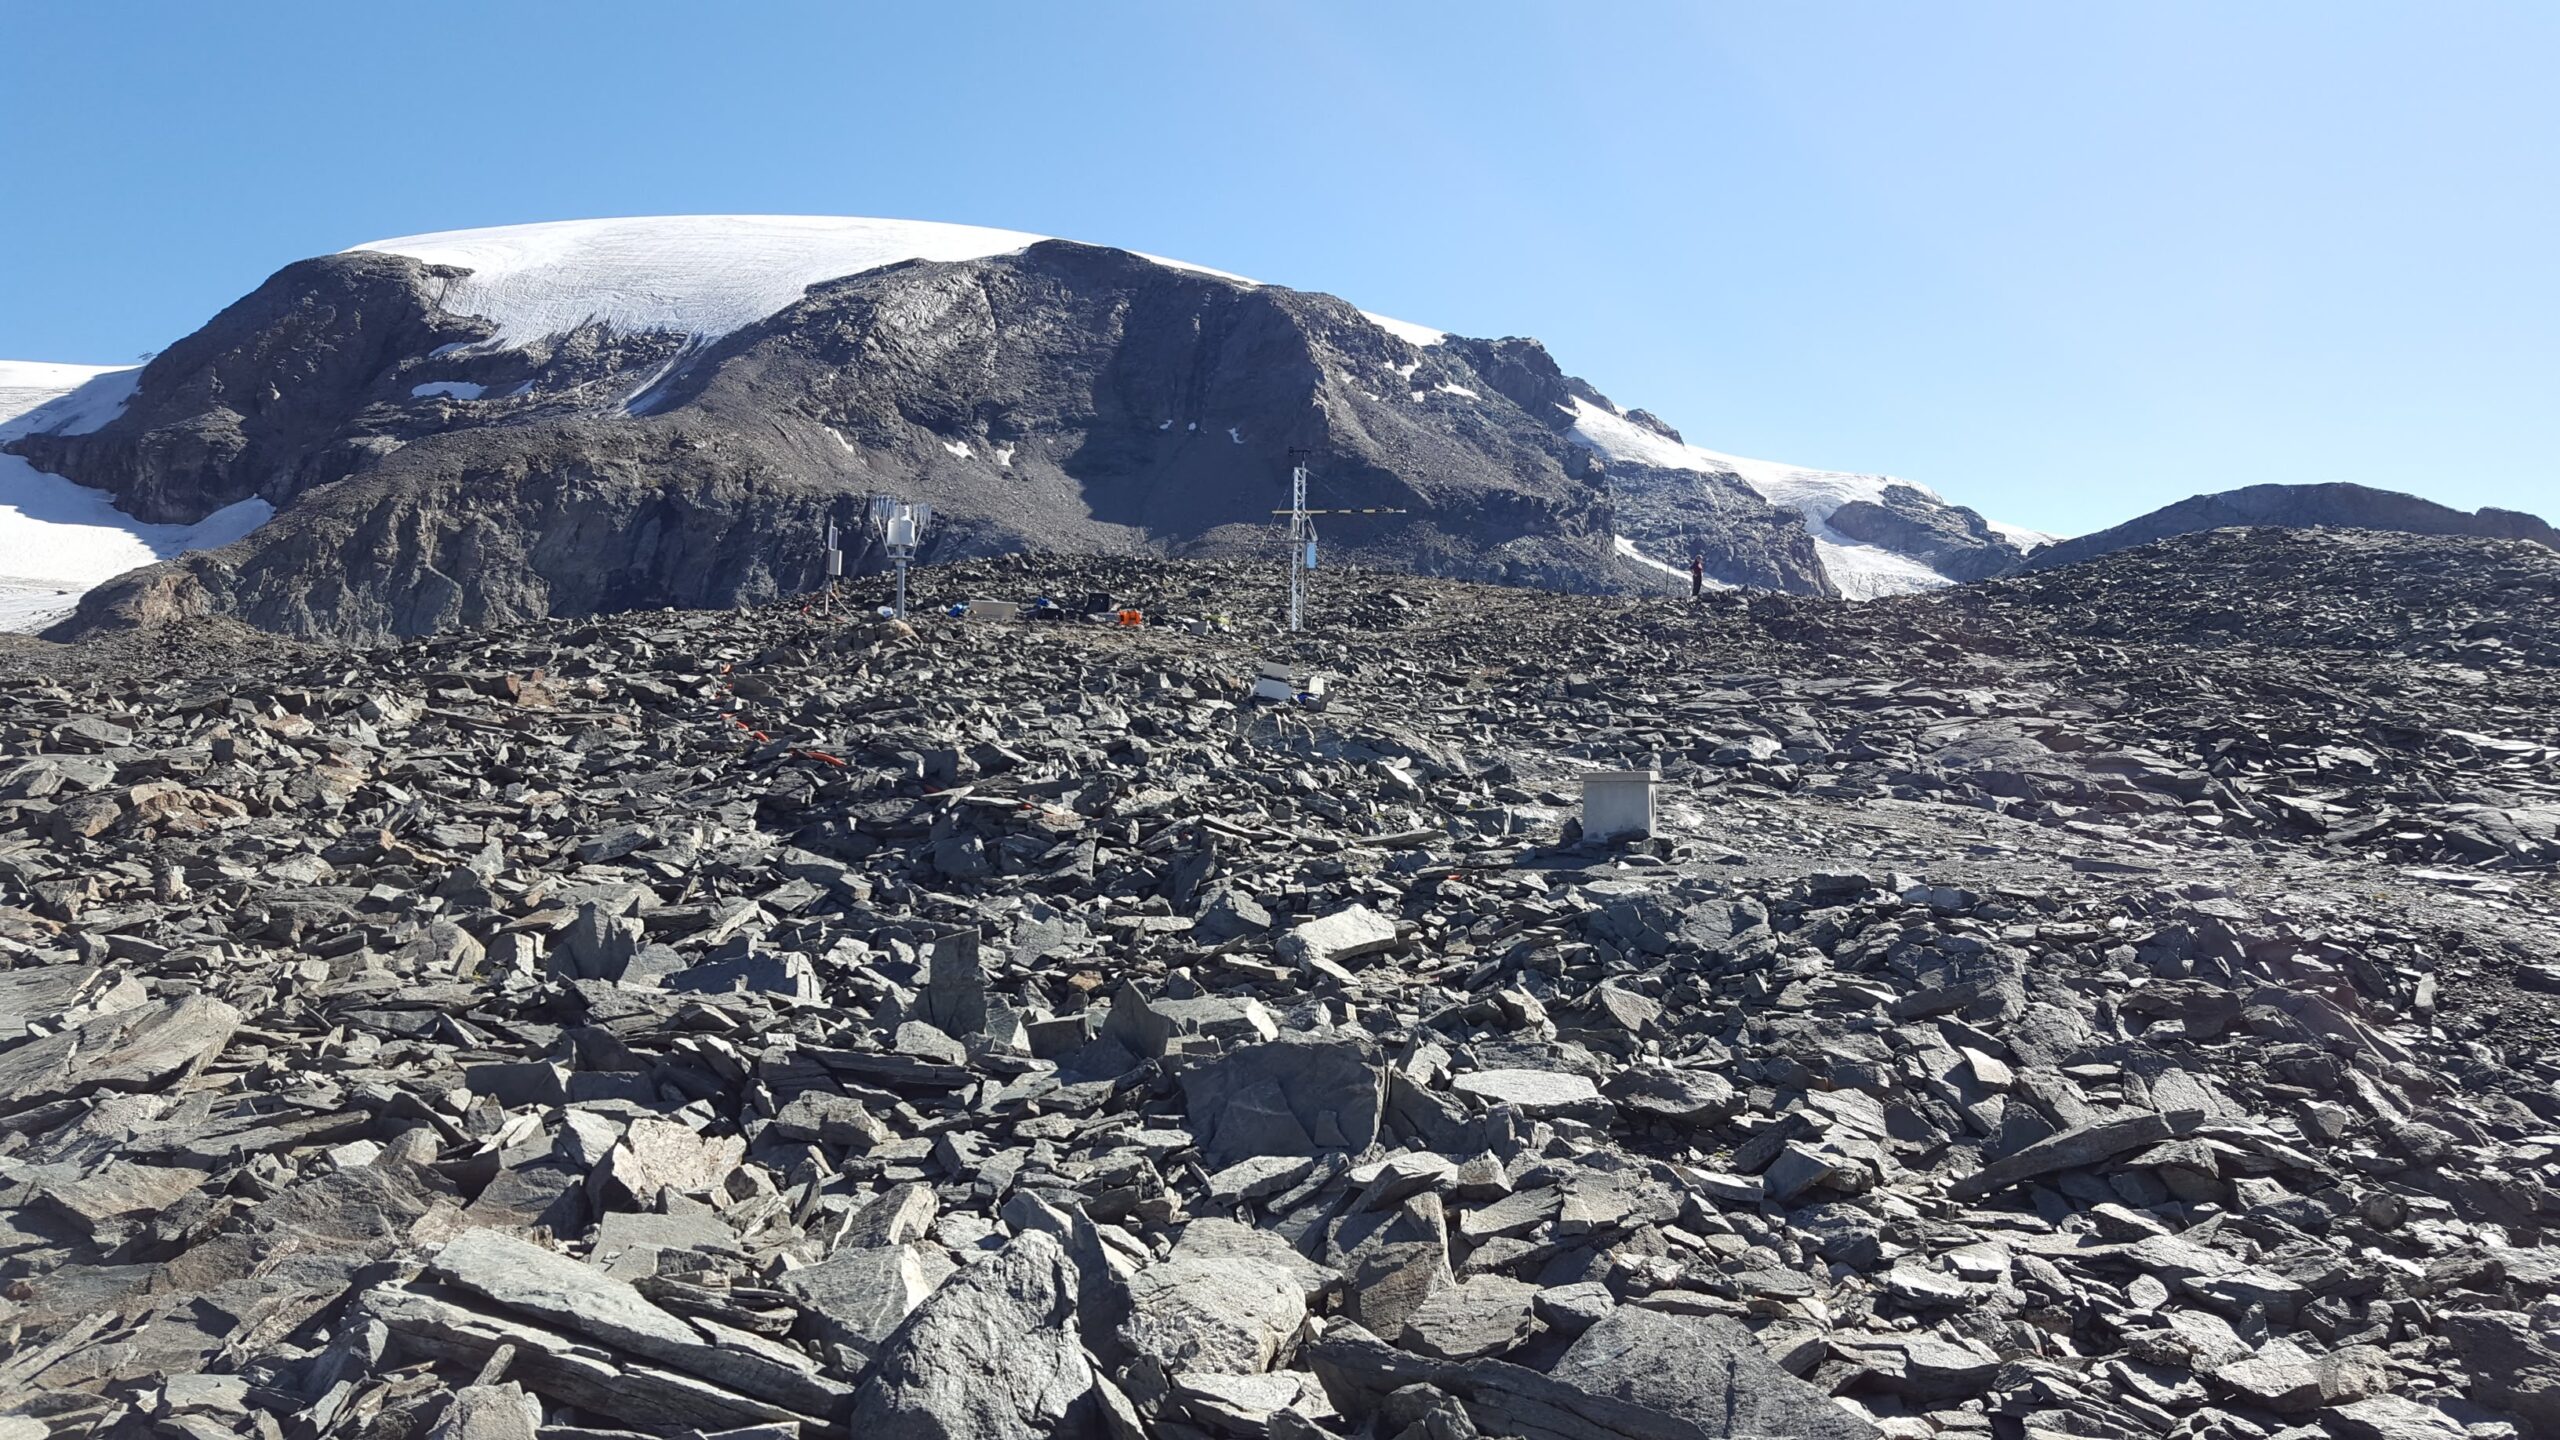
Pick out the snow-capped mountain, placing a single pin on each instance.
(484, 424)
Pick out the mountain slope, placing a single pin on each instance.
(2337, 506)
(494, 424)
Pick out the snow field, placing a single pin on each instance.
(1627, 548)
(59, 540)
(701, 275)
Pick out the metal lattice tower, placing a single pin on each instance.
(1302, 543)
(1302, 536)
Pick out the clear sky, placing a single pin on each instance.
(2065, 262)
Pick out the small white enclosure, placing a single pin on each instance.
(1618, 804)
(1278, 682)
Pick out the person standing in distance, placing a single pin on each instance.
(1697, 575)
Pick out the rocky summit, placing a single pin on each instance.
(2114, 1001)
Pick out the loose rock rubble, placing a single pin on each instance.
(2114, 1002)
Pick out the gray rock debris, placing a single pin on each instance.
(2053, 1006)
(1705, 1369)
(1291, 1096)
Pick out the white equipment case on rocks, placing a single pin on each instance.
(1618, 804)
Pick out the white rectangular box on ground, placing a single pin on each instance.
(1278, 683)
(1618, 804)
(1273, 687)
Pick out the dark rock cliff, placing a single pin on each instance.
(1950, 539)
(256, 402)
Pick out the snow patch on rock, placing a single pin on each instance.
(39, 397)
(27, 384)
(2021, 536)
(1864, 572)
(1812, 493)
(1627, 548)
(59, 540)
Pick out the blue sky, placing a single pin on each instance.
(2063, 262)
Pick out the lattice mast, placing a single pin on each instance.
(1302, 535)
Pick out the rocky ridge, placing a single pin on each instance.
(2115, 1001)
(2337, 506)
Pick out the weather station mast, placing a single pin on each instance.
(1302, 534)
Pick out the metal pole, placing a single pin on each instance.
(835, 570)
(1297, 547)
(902, 587)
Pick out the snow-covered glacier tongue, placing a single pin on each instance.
(1875, 534)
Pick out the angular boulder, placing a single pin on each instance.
(1291, 1096)
(1351, 934)
(1231, 1315)
(995, 1354)
(1704, 1369)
